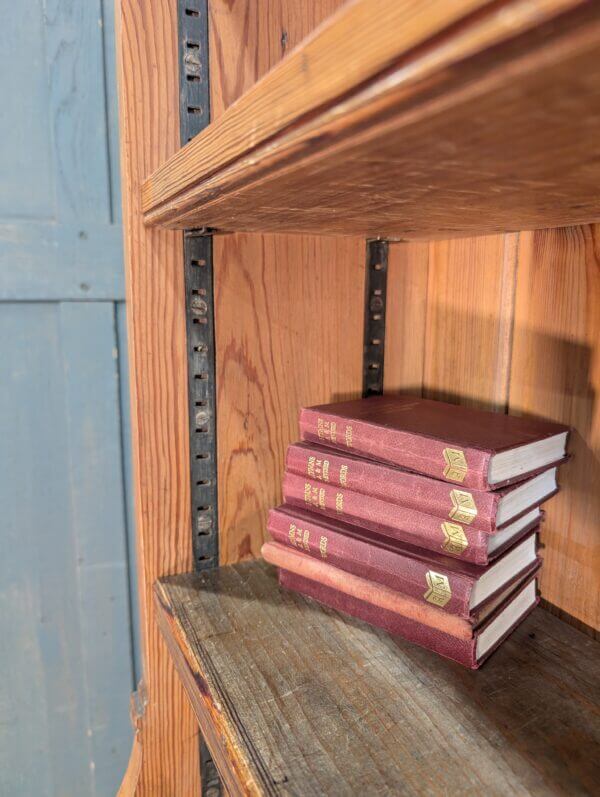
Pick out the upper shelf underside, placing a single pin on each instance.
(406, 119)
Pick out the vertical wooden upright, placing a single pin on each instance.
(165, 756)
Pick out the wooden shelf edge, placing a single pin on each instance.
(233, 771)
(255, 660)
(417, 144)
(306, 80)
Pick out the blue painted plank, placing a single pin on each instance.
(48, 261)
(26, 153)
(92, 411)
(38, 569)
(112, 106)
(65, 637)
(74, 50)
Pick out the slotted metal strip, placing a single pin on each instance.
(374, 317)
(194, 98)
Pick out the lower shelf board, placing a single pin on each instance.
(293, 698)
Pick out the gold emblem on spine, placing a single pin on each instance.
(455, 540)
(439, 592)
(463, 507)
(456, 464)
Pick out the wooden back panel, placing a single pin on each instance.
(512, 322)
(288, 308)
(500, 322)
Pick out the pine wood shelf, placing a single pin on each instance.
(293, 698)
(409, 120)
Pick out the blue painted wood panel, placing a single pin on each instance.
(69, 635)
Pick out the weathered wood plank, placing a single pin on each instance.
(348, 49)
(485, 126)
(55, 262)
(301, 700)
(64, 602)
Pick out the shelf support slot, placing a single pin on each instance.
(374, 315)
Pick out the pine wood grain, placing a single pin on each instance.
(481, 130)
(289, 331)
(405, 317)
(468, 324)
(346, 51)
(288, 308)
(149, 122)
(305, 701)
(555, 373)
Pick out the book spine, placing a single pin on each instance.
(459, 650)
(363, 589)
(426, 583)
(389, 520)
(437, 458)
(476, 509)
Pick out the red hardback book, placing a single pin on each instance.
(404, 524)
(458, 588)
(479, 509)
(471, 651)
(477, 449)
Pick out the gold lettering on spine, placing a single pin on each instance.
(299, 538)
(323, 547)
(307, 493)
(339, 502)
(455, 539)
(463, 507)
(439, 592)
(348, 436)
(326, 430)
(456, 464)
(315, 496)
(318, 469)
(343, 475)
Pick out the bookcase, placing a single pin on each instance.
(428, 167)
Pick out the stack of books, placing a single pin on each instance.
(419, 517)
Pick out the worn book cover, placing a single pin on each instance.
(402, 523)
(446, 441)
(425, 576)
(475, 508)
(470, 650)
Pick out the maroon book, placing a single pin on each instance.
(479, 509)
(404, 524)
(471, 652)
(457, 587)
(474, 448)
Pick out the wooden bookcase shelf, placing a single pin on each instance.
(415, 121)
(408, 120)
(297, 699)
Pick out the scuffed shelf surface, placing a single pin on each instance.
(293, 698)
(406, 119)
